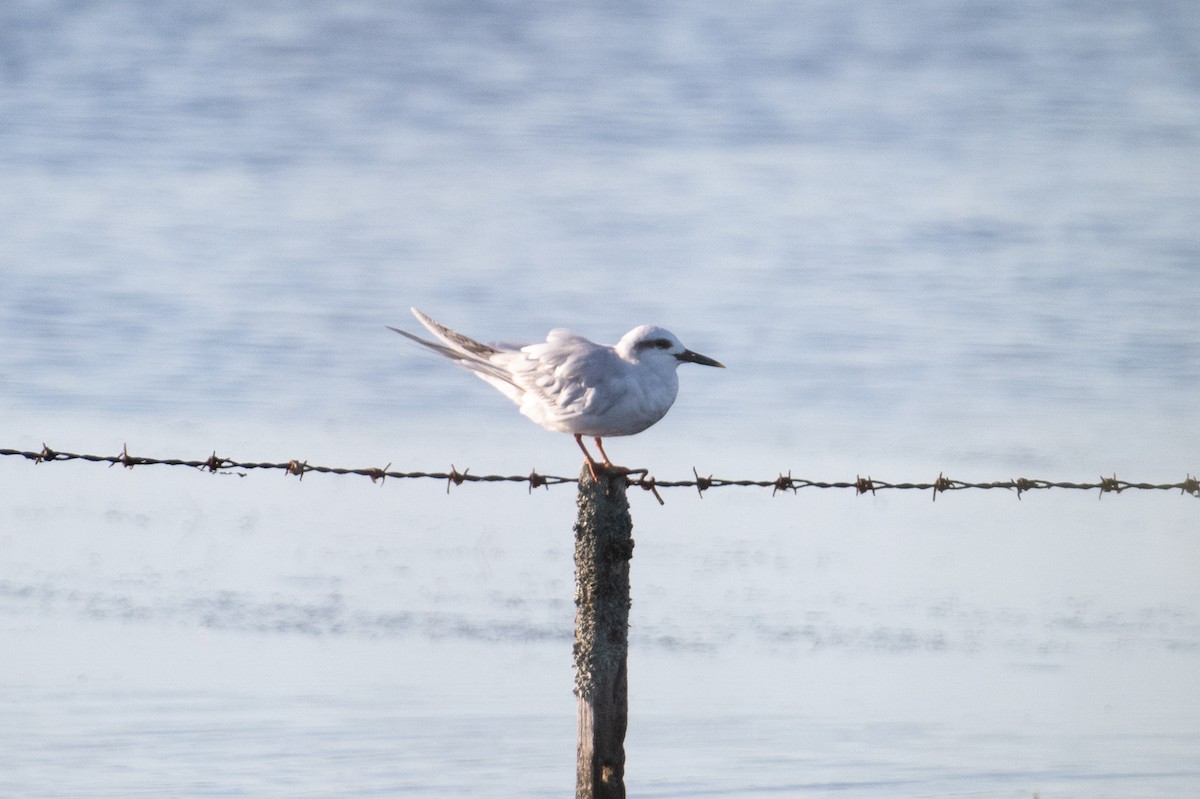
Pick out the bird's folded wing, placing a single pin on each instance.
(570, 375)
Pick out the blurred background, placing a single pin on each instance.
(924, 237)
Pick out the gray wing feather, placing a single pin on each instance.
(455, 339)
(464, 351)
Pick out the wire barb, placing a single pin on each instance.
(647, 483)
(1108, 484)
(941, 484)
(783, 483)
(455, 478)
(1190, 486)
(124, 458)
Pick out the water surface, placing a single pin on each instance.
(925, 238)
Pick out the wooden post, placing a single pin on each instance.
(603, 549)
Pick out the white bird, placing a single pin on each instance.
(571, 385)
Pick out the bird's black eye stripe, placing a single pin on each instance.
(657, 343)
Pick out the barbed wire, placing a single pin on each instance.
(784, 482)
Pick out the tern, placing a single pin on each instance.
(569, 384)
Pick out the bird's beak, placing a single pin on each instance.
(695, 357)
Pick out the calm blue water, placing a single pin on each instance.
(925, 237)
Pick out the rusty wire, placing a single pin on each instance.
(784, 482)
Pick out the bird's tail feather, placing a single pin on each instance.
(466, 352)
(455, 339)
(440, 349)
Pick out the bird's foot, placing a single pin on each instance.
(595, 468)
(643, 479)
(611, 468)
(598, 468)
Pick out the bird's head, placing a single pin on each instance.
(657, 346)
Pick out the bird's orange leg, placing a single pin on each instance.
(603, 454)
(591, 462)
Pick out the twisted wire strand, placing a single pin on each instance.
(784, 482)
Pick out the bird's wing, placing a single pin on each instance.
(569, 374)
(485, 361)
(457, 341)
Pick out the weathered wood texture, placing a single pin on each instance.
(603, 549)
